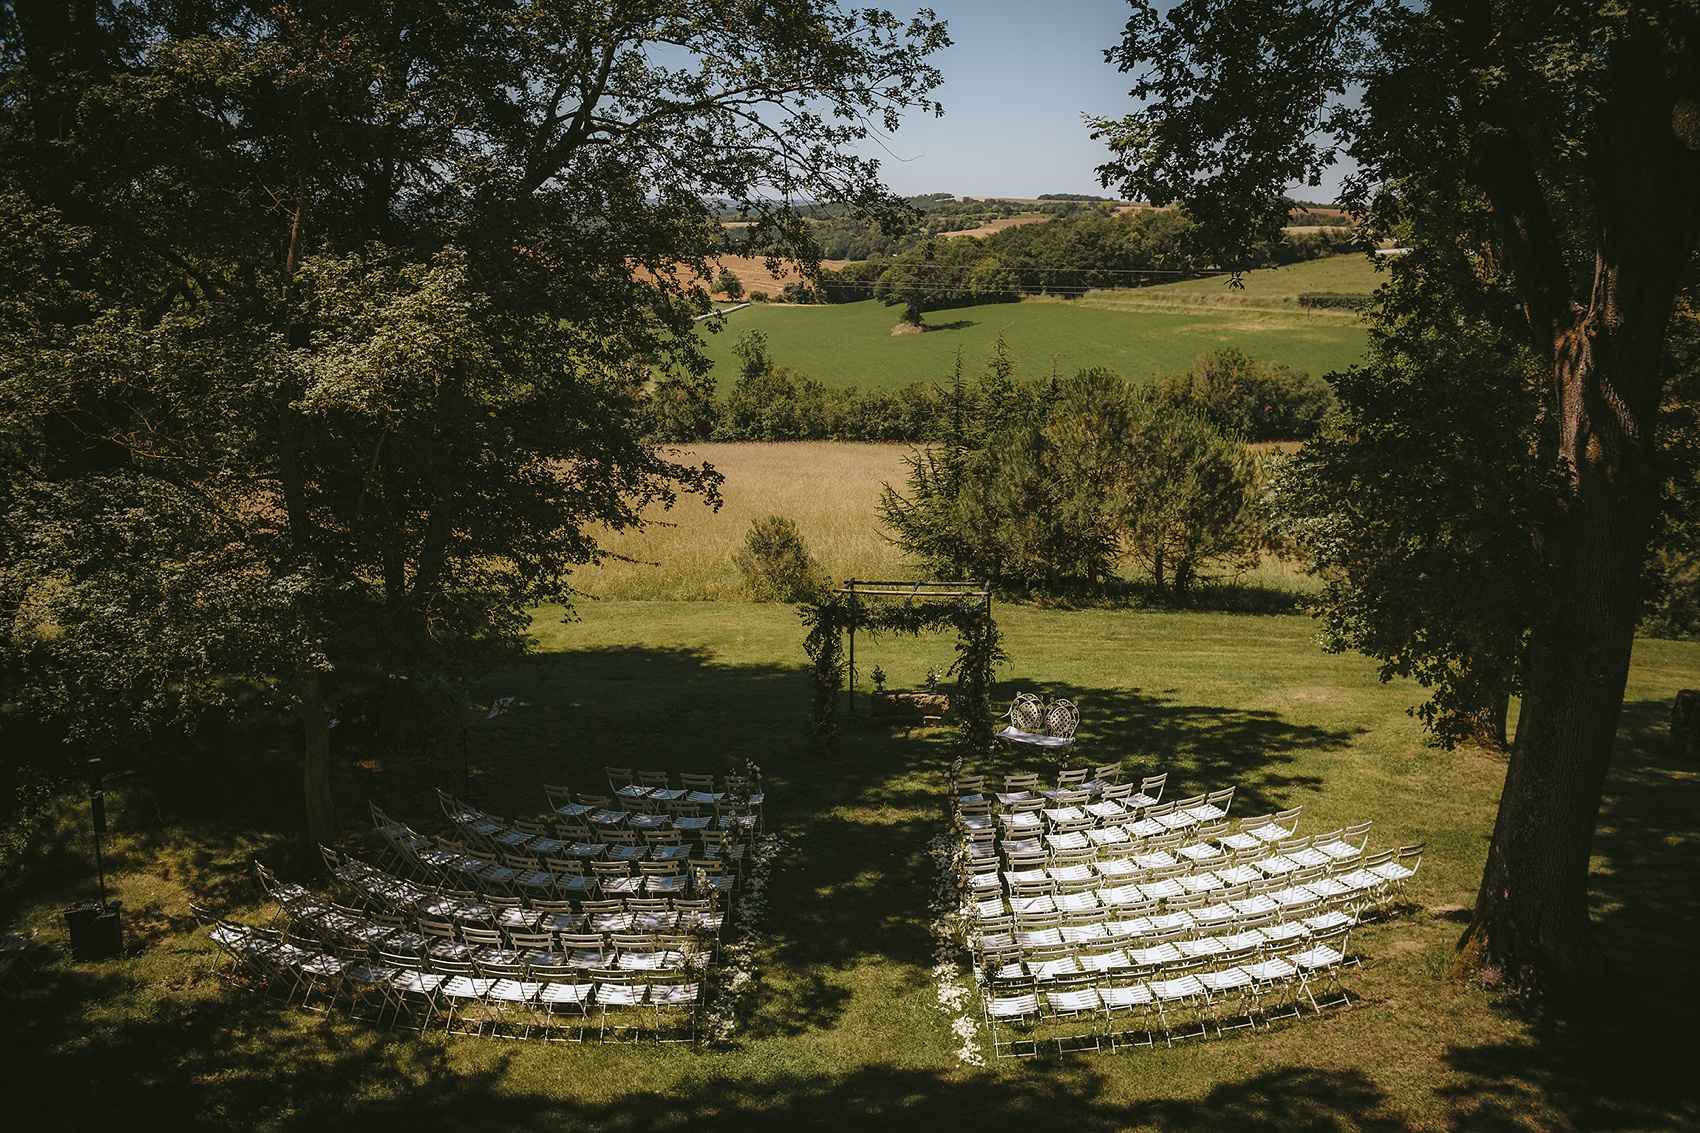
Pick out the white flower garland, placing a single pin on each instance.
(737, 959)
(948, 918)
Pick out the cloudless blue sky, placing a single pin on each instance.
(1017, 78)
(1016, 81)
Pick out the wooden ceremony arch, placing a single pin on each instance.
(911, 607)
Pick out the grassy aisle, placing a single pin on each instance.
(843, 1030)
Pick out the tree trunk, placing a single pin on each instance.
(1531, 926)
(316, 760)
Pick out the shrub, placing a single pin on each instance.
(776, 564)
(1323, 300)
(1258, 401)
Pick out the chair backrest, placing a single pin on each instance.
(1117, 791)
(1357, 834)
(1107, 772)
(1288, 818)
(967, 784)
(703, 783)
(1253, 821)
(652, 778)
(1061, 719)
(1027, 713)
(618, 776)
(1021, 781)
(1189, 803)
(1067, 779)
(444, 930)
(1152, 785)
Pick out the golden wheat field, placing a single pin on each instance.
(829, 488)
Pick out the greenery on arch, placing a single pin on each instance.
(979, 651)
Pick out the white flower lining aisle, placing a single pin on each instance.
(736, 971)
(948, 913)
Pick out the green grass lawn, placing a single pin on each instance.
(843, 1031)
(852, 344)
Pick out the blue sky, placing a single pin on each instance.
(1016, 81)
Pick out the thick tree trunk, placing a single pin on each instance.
(316, 760)
(1531, 926)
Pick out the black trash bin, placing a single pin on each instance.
(97, 931)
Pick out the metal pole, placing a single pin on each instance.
(851, 586)
(97, 808)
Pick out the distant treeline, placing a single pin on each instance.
(845, 237)
(1065, 257)
(1243, 397)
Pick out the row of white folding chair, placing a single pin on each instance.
(508, 874)
(480, 998)
(1188, 934)
(1133, 1011)
(399, 931)
(1106, 774)
(1193, 875)
(324, 977)
(526, 913)
(1201, 885)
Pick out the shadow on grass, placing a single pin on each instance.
(95, 1039)
(1624, 1060)
(208, 1058)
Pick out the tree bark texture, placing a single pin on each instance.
(1531, 925)
(316, 760)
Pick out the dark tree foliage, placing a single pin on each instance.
(1046, 487)
(326, 323)
(1557, 147)
(1421, 506)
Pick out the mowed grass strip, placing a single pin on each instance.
(851, 344)
(843, 1029)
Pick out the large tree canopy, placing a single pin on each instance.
(1551, 147)
(326, 323)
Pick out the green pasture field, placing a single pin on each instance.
(843, 1030)
(1276, 290)
(851, 344)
